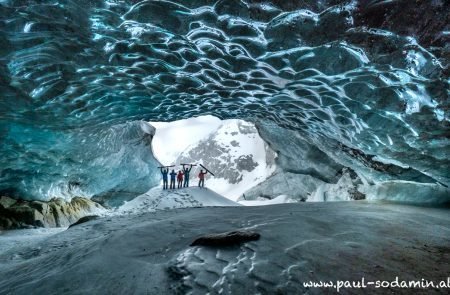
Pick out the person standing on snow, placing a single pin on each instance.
(186, 175)
(180, 179)
(173, 174)
(164, 173)
(201, 176)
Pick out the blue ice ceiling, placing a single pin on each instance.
(76, 78)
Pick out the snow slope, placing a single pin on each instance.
(149, 253)
(159, 199)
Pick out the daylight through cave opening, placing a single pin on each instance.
(232, 149)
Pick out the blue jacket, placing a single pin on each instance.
(164, 174)
(186, 172)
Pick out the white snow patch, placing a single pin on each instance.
(390, 161)
(172, 138)
(249, 144)
(281, 199)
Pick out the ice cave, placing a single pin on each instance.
(326, 124)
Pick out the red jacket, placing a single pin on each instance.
(180, 176)
(201, 175)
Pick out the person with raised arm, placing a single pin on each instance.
(165, 172)
(186, 171)
(201, 176)
(180, 179)
(173, 174)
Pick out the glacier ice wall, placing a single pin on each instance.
(327, 170)
(367, 77)
(92, 162)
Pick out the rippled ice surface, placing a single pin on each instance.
(14, 238)
(149, 253)
(73, 72)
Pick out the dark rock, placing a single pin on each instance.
(84, 219)
(226, 239)
(245, 162)
(39, 223)
(7, 201)
(357, 195)
(17, 214)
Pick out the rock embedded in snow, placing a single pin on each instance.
(226, 239)
(84, 219)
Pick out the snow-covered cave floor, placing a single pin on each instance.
(149, 253)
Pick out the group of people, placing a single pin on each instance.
(182, 177)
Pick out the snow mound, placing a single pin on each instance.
(159, 199)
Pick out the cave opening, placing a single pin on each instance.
(232, 149)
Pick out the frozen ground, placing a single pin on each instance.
(149, 253)
(10, 239)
